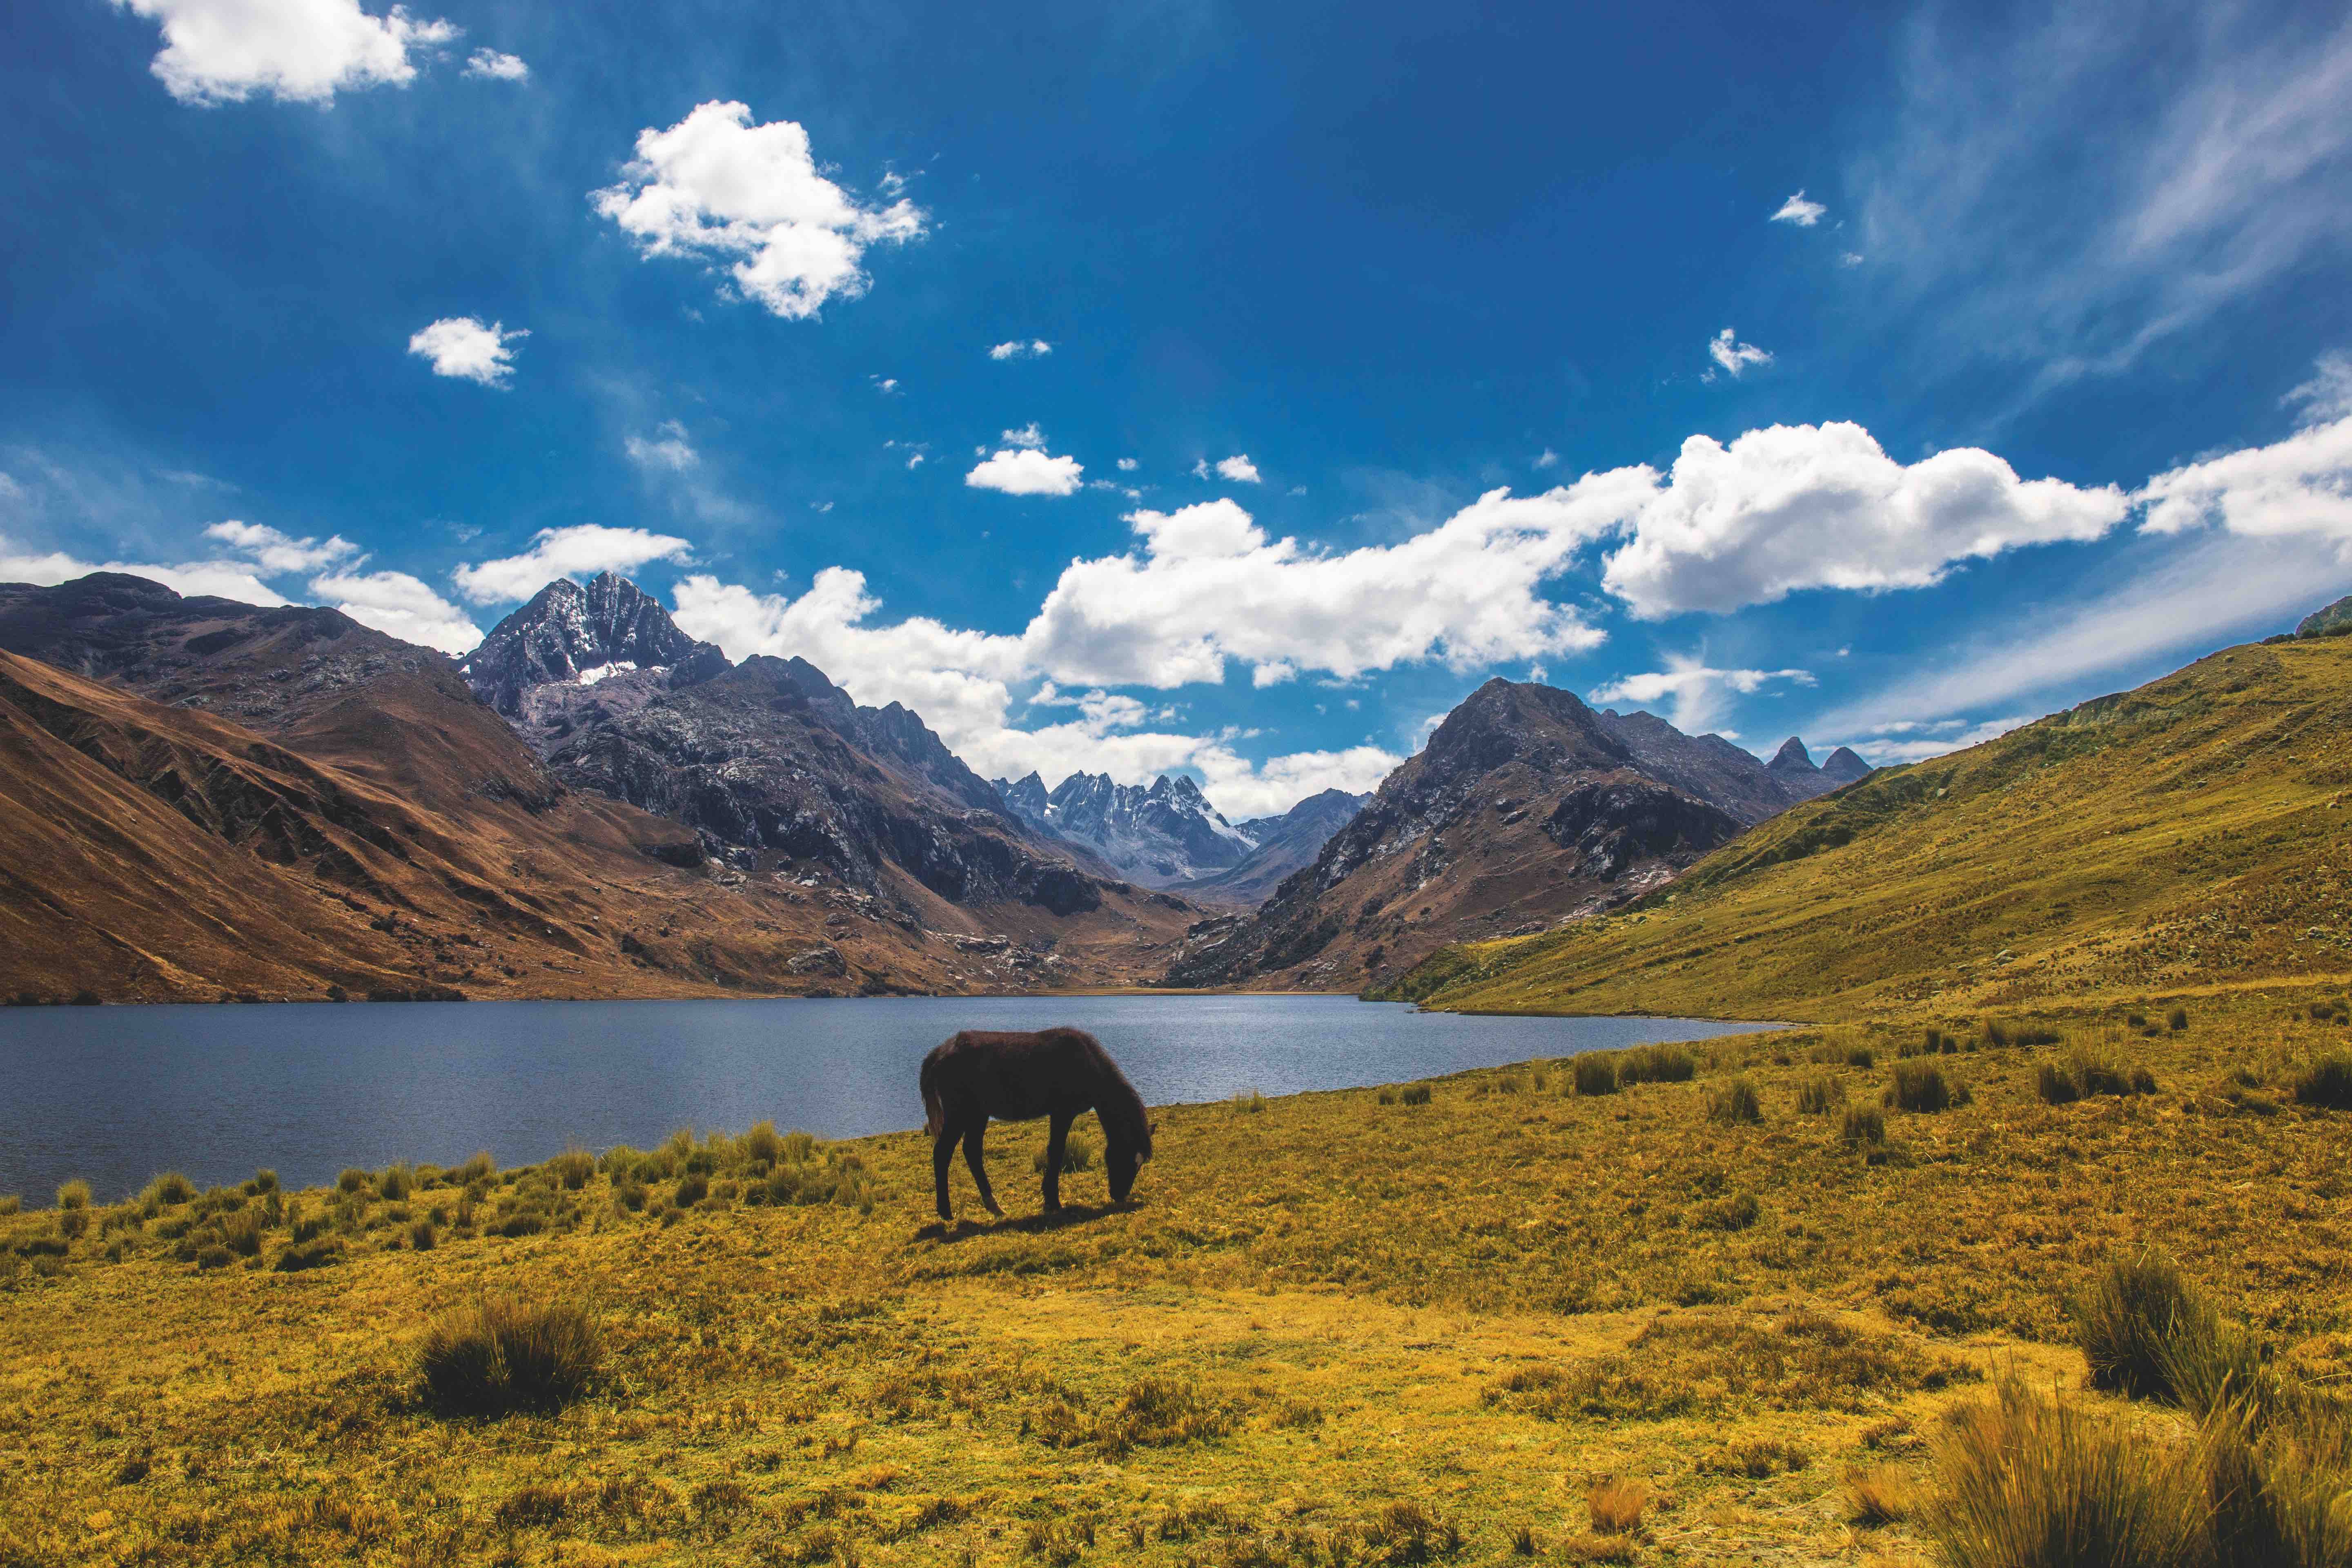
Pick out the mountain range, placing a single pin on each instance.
(1525, 809)
(1167, 835)
(592, 802)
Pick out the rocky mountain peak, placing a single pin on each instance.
(1843, 766)
(571, 633)
(1792, 758)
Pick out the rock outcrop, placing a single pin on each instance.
(1162, 835)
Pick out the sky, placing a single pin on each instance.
(1195, 387)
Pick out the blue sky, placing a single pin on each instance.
(1884, 377)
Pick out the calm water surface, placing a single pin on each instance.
(116, 1094)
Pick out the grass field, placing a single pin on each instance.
(1506, 1321)
(2191, 835)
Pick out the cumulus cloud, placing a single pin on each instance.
(497, 66)
(2301, 486)
(1237, 468)
(462, 347)
(399, 605)
(275, 552)
(581, 551)
(1127, 465)
(1799, 211)
(1732, 356)
(224, 51)
(1546, 459)
(1025, 471)
(717, 185)
(1027, 436)
(1694, 691)
(1037, 348)
(222, 579)
(1791, 507)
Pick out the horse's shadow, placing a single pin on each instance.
(948, 1233)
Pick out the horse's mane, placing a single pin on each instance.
(1120, 1109)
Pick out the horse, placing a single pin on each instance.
(1055, 1073)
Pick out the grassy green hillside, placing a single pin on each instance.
(1727, 1313)
(2188, 837)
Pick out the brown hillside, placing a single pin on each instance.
(157, 853)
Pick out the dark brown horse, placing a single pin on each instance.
(1055, 1073)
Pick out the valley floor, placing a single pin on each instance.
(1337, 1328)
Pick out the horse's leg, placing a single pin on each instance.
(978, 1171)
(943, 1151)
(1058, 1140)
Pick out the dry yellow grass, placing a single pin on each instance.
(1334, 1329)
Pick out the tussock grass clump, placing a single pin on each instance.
(2133, 1319)
(1864, 1126)
(2032, 1481)
(2326, 1083)
(1249, 1103)
(243, 1231)
(1616, 1505)
(1596, 1073)
(1736, 1211)
(73, 1195)
(571, 1168)
(763, 1145)
(168, 1190)
(353, 1180)
(1877, 1496)
(261, 1182)
(1077, 1154)
(502, 1354)
(1415, 1094)
(424, 1235)
(2085, 1074)
(1920, 1086)
(1820, 1093)
(1734, 1103)
(2177, 1020)
(478, 1167)
(10, 1204)
(1657, 1064)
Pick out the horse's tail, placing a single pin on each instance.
(935, 1111)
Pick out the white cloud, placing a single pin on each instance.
(1127, 465)
(1027, 436)
(670, 452)
(1733, 356)
(1799, 211)
(578, 551)
(1238, 469)
(1546, 459)
(1696, 692)
(491, 63)
(277, 554)
(1791, 507)
(714, 185)
(1849, 258)
(2302, 485)
(399, 605)
(222, 579)
(462, 347)
(1035, 349)
(1209, 585)
(224, 51)
(1026, 472)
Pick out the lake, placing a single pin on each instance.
(115, 1094)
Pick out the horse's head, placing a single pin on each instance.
(1121, 1163)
